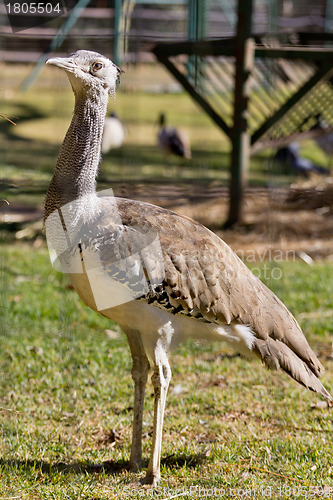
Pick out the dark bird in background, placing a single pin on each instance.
(325, 140)
(173, 141)
(113, 133)
(290, 157)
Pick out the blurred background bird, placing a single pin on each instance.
(290, 157)
(173, 141)
(113, 133)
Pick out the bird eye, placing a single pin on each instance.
(97, 66)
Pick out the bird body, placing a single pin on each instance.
(221, 294)
(173, 141)
(161, 276)
(113, 133)
(300, 165)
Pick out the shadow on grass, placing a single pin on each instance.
(179, 461)
(24, 113)
(108, 467)
(132, 160)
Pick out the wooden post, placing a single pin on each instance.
(244, 54)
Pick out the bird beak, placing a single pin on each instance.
(65, 63)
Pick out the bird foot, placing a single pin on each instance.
(151, 479)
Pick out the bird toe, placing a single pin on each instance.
(151, 479)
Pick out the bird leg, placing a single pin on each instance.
(160, 379)
(139, 374)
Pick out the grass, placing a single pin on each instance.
(232, 429)
(66, 398)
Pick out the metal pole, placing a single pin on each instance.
(117, 33)
(191, 35)
(196, 30)
(244, 54)
(329, 16)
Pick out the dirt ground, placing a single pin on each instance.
(299, 218)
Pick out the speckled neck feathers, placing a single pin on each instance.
(77, 165)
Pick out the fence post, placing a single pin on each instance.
(244, 55)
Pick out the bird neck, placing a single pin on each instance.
(76, 169)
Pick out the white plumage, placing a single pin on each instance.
(113, 133)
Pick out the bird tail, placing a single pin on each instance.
(275, 354)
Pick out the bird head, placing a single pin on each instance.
(88, 70)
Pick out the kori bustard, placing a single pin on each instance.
(162, 277)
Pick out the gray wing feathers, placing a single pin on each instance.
(204, 277)
(224, 290)
(277, 355)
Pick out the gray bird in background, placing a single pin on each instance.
(304, 167)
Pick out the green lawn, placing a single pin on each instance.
(66, 398)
